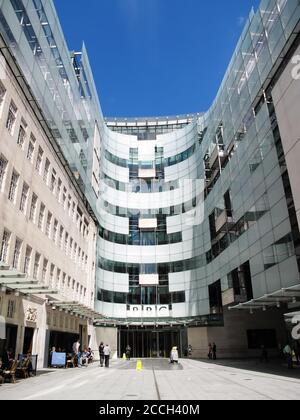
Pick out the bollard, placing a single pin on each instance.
(124, 356)
(139, 366)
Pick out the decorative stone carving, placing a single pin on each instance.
(31, 314)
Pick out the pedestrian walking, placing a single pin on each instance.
(174, 357)
(287, 351)
(101, 354)
(106, 352)
(214, 351)
(210, 351)
(128, 352)
(76, 351)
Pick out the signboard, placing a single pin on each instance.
(148, 311)
(58, 359)
(149, 279)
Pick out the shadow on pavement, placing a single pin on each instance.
(273, 367)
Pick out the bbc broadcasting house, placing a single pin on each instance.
(154, 232)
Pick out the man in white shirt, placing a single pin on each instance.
(76, 351)
(106, 355)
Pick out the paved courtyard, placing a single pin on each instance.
(190, 380)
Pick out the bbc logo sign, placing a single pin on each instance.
(2, 328)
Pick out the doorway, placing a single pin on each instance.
(28, 340)
(151, 343)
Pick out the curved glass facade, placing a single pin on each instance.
(195, 212)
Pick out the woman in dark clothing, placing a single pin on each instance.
(101, 354)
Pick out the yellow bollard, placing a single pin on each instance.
(124, 356)
(139, 366)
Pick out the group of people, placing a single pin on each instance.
(82, 358)
(104, 353)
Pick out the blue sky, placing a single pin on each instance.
(155, 57)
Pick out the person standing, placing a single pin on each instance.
(101, 354)
(76, 351)
(106, 355)
(214, 351)
(287, 351)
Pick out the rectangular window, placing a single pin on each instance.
(71, 248)
(11, 309)
(27, 260)
(44, 272)
(48, 225)
(31, 148)
(5, 246)
(52, 276)
(36, 266)
(33, 208)
(2, 93)
(3, 167)
(41, 216)
(53, 181)
(46, 171)
(64, 197)
(66, 242)
(69, 204)
(39, 160)
(58, 191)
(12, 116)
(22, 134)
(17, 253)
(61, 235)
(55, 229)
(24, 198)
(13, 186)
(58, 274)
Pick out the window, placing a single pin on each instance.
(33, 208)
(13, 186)
(46, 171)
(75, 252)
(44, 272)
(2, 93)
(3, 166)
(22, 134)
(61, 234)
(52, 276)
(39, 160)
(58, 274)
(71, 248)
(66, 242)
(73, 211)
(58, 191)
(69, 204)
(11, 309)
(5, 246)
(64, 197)
(48, 225)
(36, 266)
(53, 181)
(12, 115)
(27, 260)
(41, 216)
(31, 148)
(24, 198)
(17, 253)
(55, 229)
